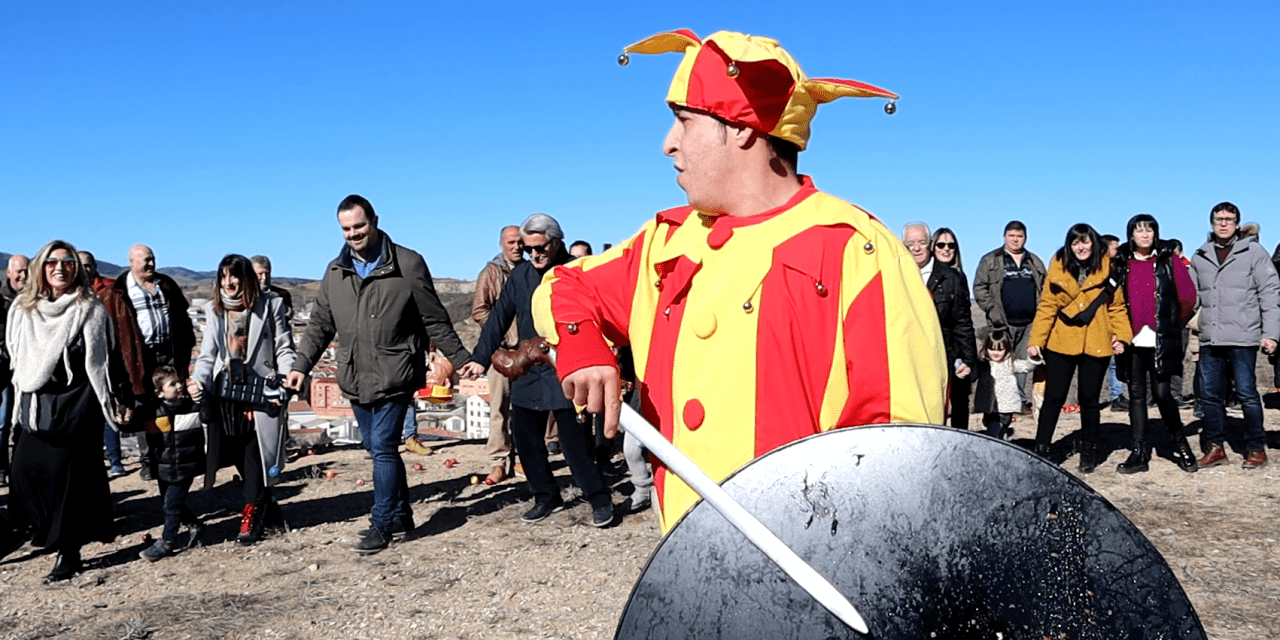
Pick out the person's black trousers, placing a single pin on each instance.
(1059, 369)
(528, 428)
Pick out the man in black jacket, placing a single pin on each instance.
(377, 297)
(534, 395)
(951, 299)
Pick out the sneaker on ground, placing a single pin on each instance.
(602, 516)
(541, 510)
(159, 549)
(116, 471)
(372, 541)
(399, 529)
(636, 503)
(415, 445)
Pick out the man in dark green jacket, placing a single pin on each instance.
(378, 299)
(1006, 287)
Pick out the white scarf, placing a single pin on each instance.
(38, 341)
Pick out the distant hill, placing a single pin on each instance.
(455, 294)
(183, 276)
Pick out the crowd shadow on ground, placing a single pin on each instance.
(1115, 433)
(139, 511)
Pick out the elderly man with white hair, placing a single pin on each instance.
(15, 277)
(537, 394)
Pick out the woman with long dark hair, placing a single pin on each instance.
(946, 251)
(66, 381)
(1161, 298)
(1080, 323)
(246, 341)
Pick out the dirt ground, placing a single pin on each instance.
(473, 570)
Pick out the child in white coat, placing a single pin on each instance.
(997, 394)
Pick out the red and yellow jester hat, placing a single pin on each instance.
(749, 80)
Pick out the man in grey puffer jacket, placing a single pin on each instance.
(1239, 295)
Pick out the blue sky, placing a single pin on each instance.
(208, 128)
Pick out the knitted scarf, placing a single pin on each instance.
(38, 340)
(237, 325)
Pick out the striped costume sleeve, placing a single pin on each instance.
(593, 297)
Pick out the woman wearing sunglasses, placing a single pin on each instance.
(60, 342)
(946, 251)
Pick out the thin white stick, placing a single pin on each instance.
(802, 572)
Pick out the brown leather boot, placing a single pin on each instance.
(1214, 457)
(1255, 460)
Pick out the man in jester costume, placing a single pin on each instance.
(765, 310)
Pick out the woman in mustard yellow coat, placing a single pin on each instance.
(1080, 323)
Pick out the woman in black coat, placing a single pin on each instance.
(1161, 298)
(955, 313)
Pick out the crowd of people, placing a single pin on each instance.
(1106, 306)
(762, 312)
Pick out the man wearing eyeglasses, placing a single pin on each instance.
(1239, 295)
(538, 394)
(378, 299)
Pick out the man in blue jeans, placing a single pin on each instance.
(1239, 294)
(378, 299)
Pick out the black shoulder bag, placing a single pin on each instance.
(1083, 318)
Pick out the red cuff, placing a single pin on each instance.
(581, 346)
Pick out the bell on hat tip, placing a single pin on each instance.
(732, 70)
(891, 107)
(623, 60)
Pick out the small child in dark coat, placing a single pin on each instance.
(176, 438)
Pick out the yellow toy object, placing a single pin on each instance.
(750, 80)
(438, 389)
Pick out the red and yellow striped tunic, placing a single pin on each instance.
(752, 332)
